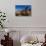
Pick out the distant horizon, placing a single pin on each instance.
(22, 7)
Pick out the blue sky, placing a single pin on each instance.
(22, 7)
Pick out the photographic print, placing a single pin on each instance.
(23, 10)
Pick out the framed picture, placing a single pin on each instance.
(23, 10)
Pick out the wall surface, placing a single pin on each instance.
(38, 18)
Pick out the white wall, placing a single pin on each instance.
(38, 18)
(38, 14)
